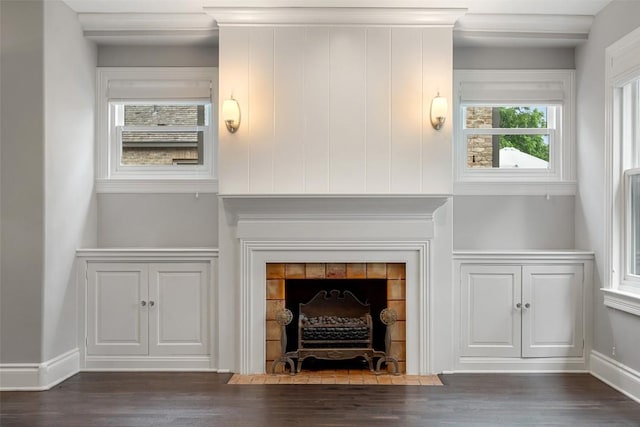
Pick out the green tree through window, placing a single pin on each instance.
(524, 117)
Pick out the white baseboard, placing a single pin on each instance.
(616, 374)
(517, 365)
(147, 363)
(39, 376)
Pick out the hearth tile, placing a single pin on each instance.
(400, 308)
(274, 331)
(336, 271)
(399, 331)
(275, 289)
(273, 350)
(258, 379)
(314, 380)
(294, 271)
(315, 271)
(275, 271)
(430, 380)
(356, 271)
(370, 380)
(396, 271)
(356, 380)
(328, 380)
(384, 379)
(273, 306)
(286, 379)
(396, 289)
(377, 270)
(398, 380)
(272, 379)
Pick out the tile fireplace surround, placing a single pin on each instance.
(277, 273)
(327, 234)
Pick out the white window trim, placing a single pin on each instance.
(109, 179)
(622, 66)
(560, 179)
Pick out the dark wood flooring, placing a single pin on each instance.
(203, 399)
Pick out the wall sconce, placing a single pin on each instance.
(438, 111)
(231, 114)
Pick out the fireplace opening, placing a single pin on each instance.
(368, 291)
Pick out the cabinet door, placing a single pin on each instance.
(178, 315)
(117, 320)
(552, 322)
(490, 319)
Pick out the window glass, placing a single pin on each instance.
(161, 134)
(525, 145)
(634, 224)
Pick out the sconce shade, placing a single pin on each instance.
(231, 114)
(438, 111)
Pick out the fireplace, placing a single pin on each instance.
(330, 237)
(380, 284)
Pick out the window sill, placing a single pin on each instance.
(513, 188)
(156, 186)
(623, 301)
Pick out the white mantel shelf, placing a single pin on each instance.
(332, 206)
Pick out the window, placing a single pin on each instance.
(622, 189)
(513, 132)
(156, 130)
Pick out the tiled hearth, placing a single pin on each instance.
(277, 273)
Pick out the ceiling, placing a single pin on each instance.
(540, 23)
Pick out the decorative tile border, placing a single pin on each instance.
(341, 377)
(277, 273)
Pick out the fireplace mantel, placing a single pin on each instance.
(344, 228)
(331, 206)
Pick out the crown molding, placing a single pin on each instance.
(522, 30)
(242, 16)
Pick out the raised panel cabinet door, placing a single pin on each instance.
(178, 315)
(490, 316)
(117, 309)
(552, 323)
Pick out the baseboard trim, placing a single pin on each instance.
(39, 376)
(617, 375)
(147, 363)
(517, 365)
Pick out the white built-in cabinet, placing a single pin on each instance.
(146, 309)
(522, 310)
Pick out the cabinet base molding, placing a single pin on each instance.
(617, 375)
(146, 363)
(533, 365)
(39, 376)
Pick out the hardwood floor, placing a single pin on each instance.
(203, 399)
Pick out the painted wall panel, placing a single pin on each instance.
(233, 149)
(406, 110)
(288, 83)
(350, 109)
(260, 123)
(347, 106)
(378, 130)
(316, 107)
(436, 144)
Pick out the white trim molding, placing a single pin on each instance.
(39, 376)
(156, 186)
(230, 16)
(622, 66)
(333, 228)
(617, 375)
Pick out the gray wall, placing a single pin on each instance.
(157, 56)
(611, 327)
(70, 220)
(157, 220)
(22, 177)
(488, 58)
(513, 222)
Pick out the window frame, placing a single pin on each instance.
(516, 88)
(111, 175)
(622, 158)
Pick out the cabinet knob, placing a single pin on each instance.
(518, 305)
(151, 303)
(527, 305)
(143, 303)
